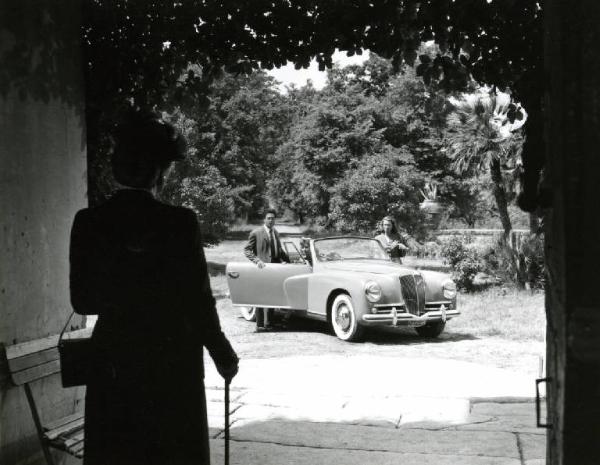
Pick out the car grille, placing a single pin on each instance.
(386, 309)
(413, 293)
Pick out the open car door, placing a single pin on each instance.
(252, 286)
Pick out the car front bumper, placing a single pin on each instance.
(403, 318)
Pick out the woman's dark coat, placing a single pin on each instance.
(139, 265)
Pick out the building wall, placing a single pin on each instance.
(572, 65)
(42, 184)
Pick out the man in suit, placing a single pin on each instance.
(263, 247)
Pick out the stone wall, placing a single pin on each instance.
(42, 184)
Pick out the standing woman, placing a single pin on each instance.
(139, 265)
(392, 241)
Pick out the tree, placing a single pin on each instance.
(196, 184)
(330, 136)
(412, 115)
(384, 184)
(207, 193)
(238, 133)
(136, 50)
(479, 138)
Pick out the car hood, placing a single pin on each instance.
(368, 266)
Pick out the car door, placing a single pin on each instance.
(261, 287)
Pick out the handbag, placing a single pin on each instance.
(76, 358)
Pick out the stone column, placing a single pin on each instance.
(42, 184)
(572, 115)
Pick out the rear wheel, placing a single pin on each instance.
(343, 319)
(248, 313)
(431, 330)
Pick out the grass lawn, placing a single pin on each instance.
(507, 314)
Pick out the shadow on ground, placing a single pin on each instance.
(379, 336)
(481, 440)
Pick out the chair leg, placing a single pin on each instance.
(38, 425)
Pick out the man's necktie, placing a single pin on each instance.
(272, 246)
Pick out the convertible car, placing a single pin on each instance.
(348, 282)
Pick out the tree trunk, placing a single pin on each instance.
(500, 196)
(534, 223)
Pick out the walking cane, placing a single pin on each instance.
(227, 421)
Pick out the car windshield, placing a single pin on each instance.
(349, 248)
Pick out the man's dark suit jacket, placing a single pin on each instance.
(258, 248)
(139, 265)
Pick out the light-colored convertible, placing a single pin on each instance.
(349, 282)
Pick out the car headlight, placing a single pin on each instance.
(449, 289)
(372, 291)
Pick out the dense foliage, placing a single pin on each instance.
(517, 260)
(138, 52)
(340, 158)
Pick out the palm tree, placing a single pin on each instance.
(480, 138)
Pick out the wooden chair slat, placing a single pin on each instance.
(65, 429)
(73, 439)
(77, 449)
(63, 421)
(37, 372)
(32, 360)
(29, 347)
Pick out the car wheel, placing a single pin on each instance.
(431, 329)
(343, 319)
(248, 313)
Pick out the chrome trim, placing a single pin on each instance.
(284, 307)
(435, 303)
(438, 313)
(427, 316)
(439, 302)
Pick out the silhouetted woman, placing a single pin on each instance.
(139, 265)
(394, 243)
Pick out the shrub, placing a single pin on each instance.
(465, 261)
(466, 269)
(532, 250)
(519, 262)
(454, 249)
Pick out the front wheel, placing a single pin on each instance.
(343, 319)
(431, 330)
(248, 313)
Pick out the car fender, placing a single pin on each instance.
(433, 284)
(321, 286)
(296, 291)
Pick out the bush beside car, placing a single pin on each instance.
(518, 261)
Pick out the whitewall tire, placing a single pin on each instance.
(343, 319)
